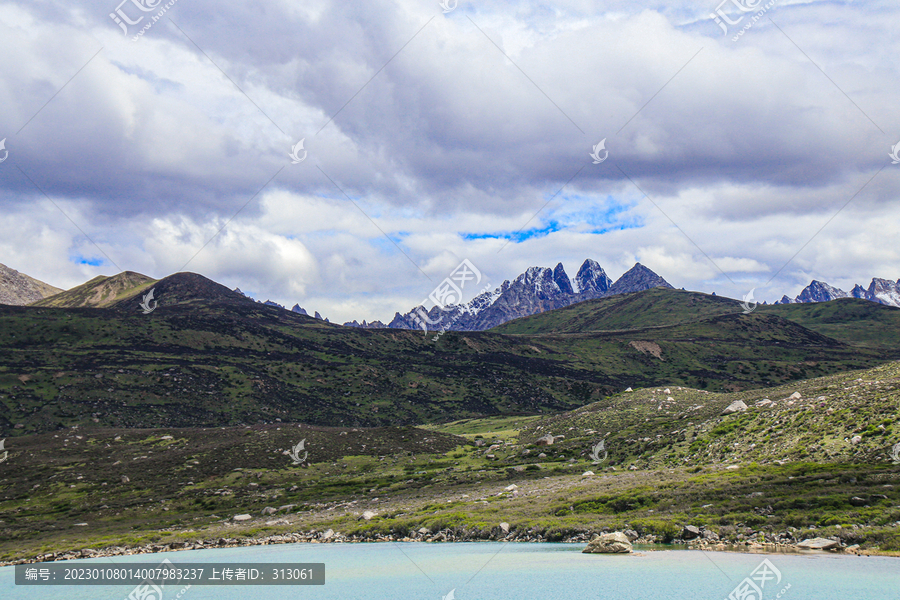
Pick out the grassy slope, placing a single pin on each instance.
(99, 292)
(666, 467)
(850, 320)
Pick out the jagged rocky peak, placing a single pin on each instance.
(819, 291)
(562, 279)
(300, 310)
(275, 304)
(858, 291)
(592, 279)
(884, 291)
(637, 279)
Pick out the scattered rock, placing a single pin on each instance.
(542, 455)
(505, 527)
(689, 532)
(736, 406)
(609, 543)
(369, 515)
(547, 440)
(818, 544)
(269, 510)
(125, 479)
(857, 501)
(587, 473)
(510, 488)
(795, 396)
(855, 440)
(328, 534)
(764, 402)
(242, 517)
(631, 534)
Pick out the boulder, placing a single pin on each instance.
(855, 440)
(689, 532)
(818, 544)
(631, 534)
(269, 510)
(587, 473)
(629, 390)
(241, 517)
(736, 406)
(857, 501)
(505, 527)
(609, 543)
(328, 534)
(764, 402)
(369, 515)
(795, 396)
(547, 440)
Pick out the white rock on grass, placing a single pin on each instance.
(241, 517)
(736, 406)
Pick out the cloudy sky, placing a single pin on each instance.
(752, 158)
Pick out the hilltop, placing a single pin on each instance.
(99, 292)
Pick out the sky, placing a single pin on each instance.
(739, 145)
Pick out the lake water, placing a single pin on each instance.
(498, 571)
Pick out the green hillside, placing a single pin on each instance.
(209, 357)
(789, 468)
(99, 292)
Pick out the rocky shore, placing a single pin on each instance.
(691, 538)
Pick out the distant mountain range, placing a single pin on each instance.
(883, 291)
(537, 290)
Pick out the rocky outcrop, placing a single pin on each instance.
(19, 289)
(609, 543)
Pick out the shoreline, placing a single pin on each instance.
(331, 537)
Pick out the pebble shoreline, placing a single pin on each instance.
(331, 537)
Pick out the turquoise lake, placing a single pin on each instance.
(497, 571)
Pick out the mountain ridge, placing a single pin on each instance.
(19, 289)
